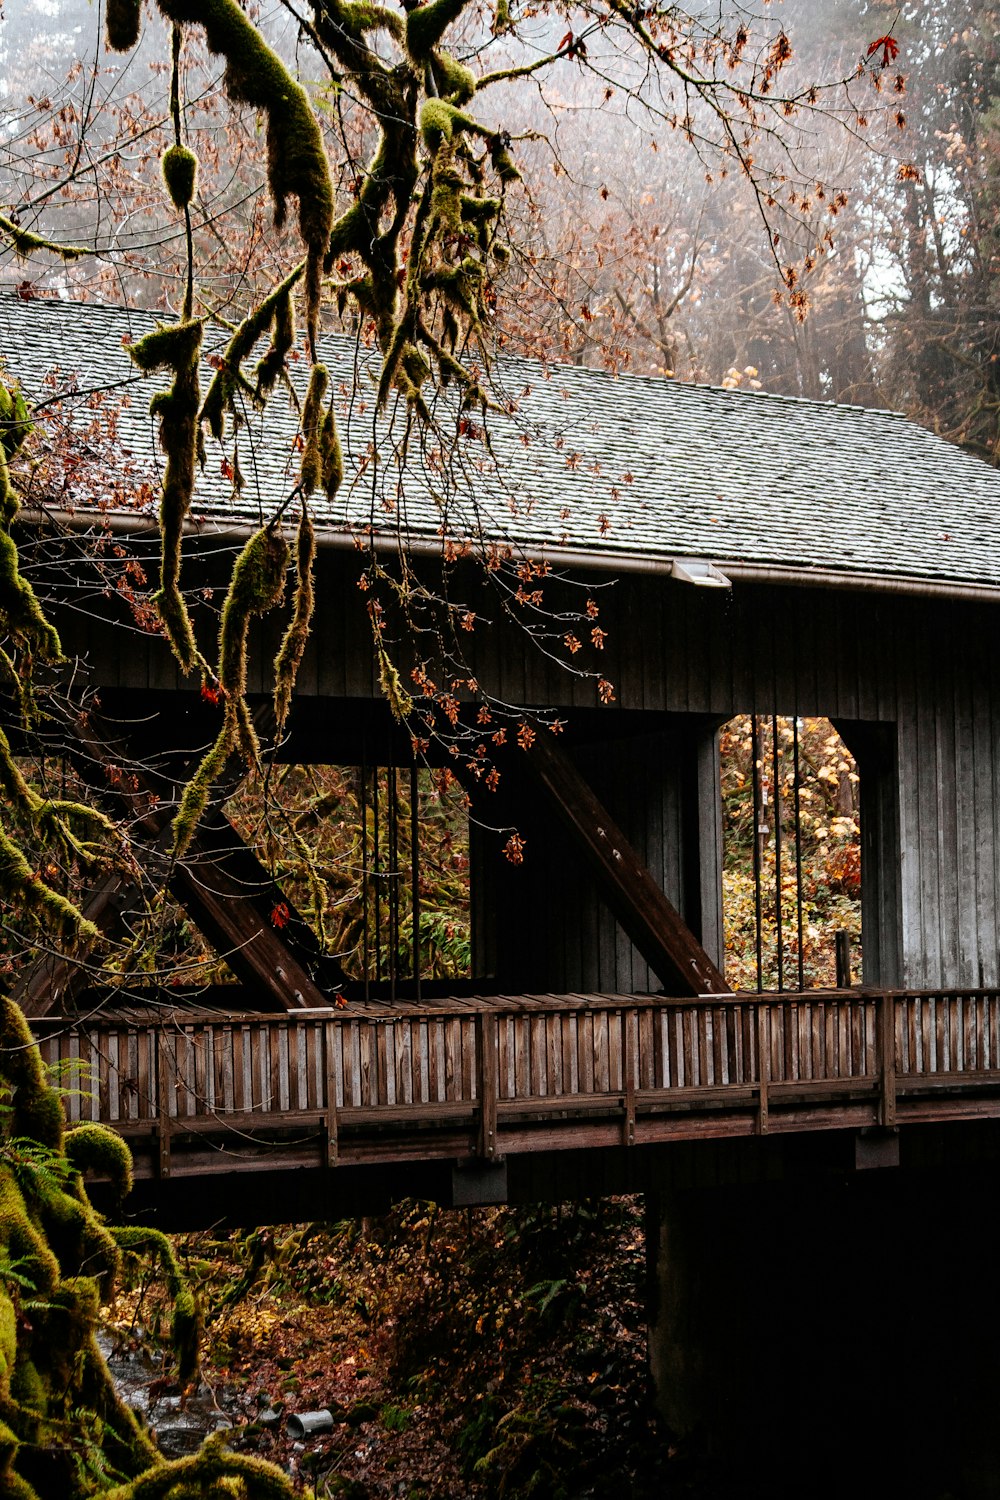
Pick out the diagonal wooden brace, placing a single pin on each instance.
(221, 883)
(651, 922)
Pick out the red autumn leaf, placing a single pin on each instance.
(889, 46)
(280, 914)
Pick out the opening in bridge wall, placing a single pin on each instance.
(369, 855)
(791, 825)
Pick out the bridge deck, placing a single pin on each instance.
(495, 1076)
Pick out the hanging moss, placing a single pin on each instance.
(180, 174)
(276, 312)
(21, 886)
(296, 157)
(391, 684)
(176, 348)
(296, 637)
(256, 586)
(462, 285)
(27, 244)
(20, 611)
(311, 466)
(481, 215)
(71, 829)
(199, 788)
(503, 163)
(282, 343)
(447, 183)
(122, 21)
(331, 453)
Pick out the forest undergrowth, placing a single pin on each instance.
(484, 1352)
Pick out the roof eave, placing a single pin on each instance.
(602, 560)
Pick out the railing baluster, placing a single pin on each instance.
(885, 1022)
(763, 1063)
(630, 1028)
(487, 1049)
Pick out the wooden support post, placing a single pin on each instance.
(885, 1045)
(654, 925)
(842, 948)
(486, 1082)
(330, 1139)
(763, 1062)
(163, 1109)
(630, 1022)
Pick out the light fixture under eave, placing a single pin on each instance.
(700, 571)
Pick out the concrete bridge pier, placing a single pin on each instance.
(835, 1337)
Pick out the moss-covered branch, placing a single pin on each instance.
(296, 157)
(276, 312)
(185, 1329)
(56, 1254)
(27, 244)
(212, 1471)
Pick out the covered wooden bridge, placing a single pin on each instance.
(750, 555)
(747, 555)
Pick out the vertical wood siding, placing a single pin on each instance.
(926, 669)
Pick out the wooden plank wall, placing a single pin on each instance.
(924, 666)
(566, 937)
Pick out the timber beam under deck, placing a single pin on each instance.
(220, 882)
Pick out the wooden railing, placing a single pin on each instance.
(495, 1068)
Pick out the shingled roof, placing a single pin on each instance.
(629, 472)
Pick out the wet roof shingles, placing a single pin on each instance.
(591, 463)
